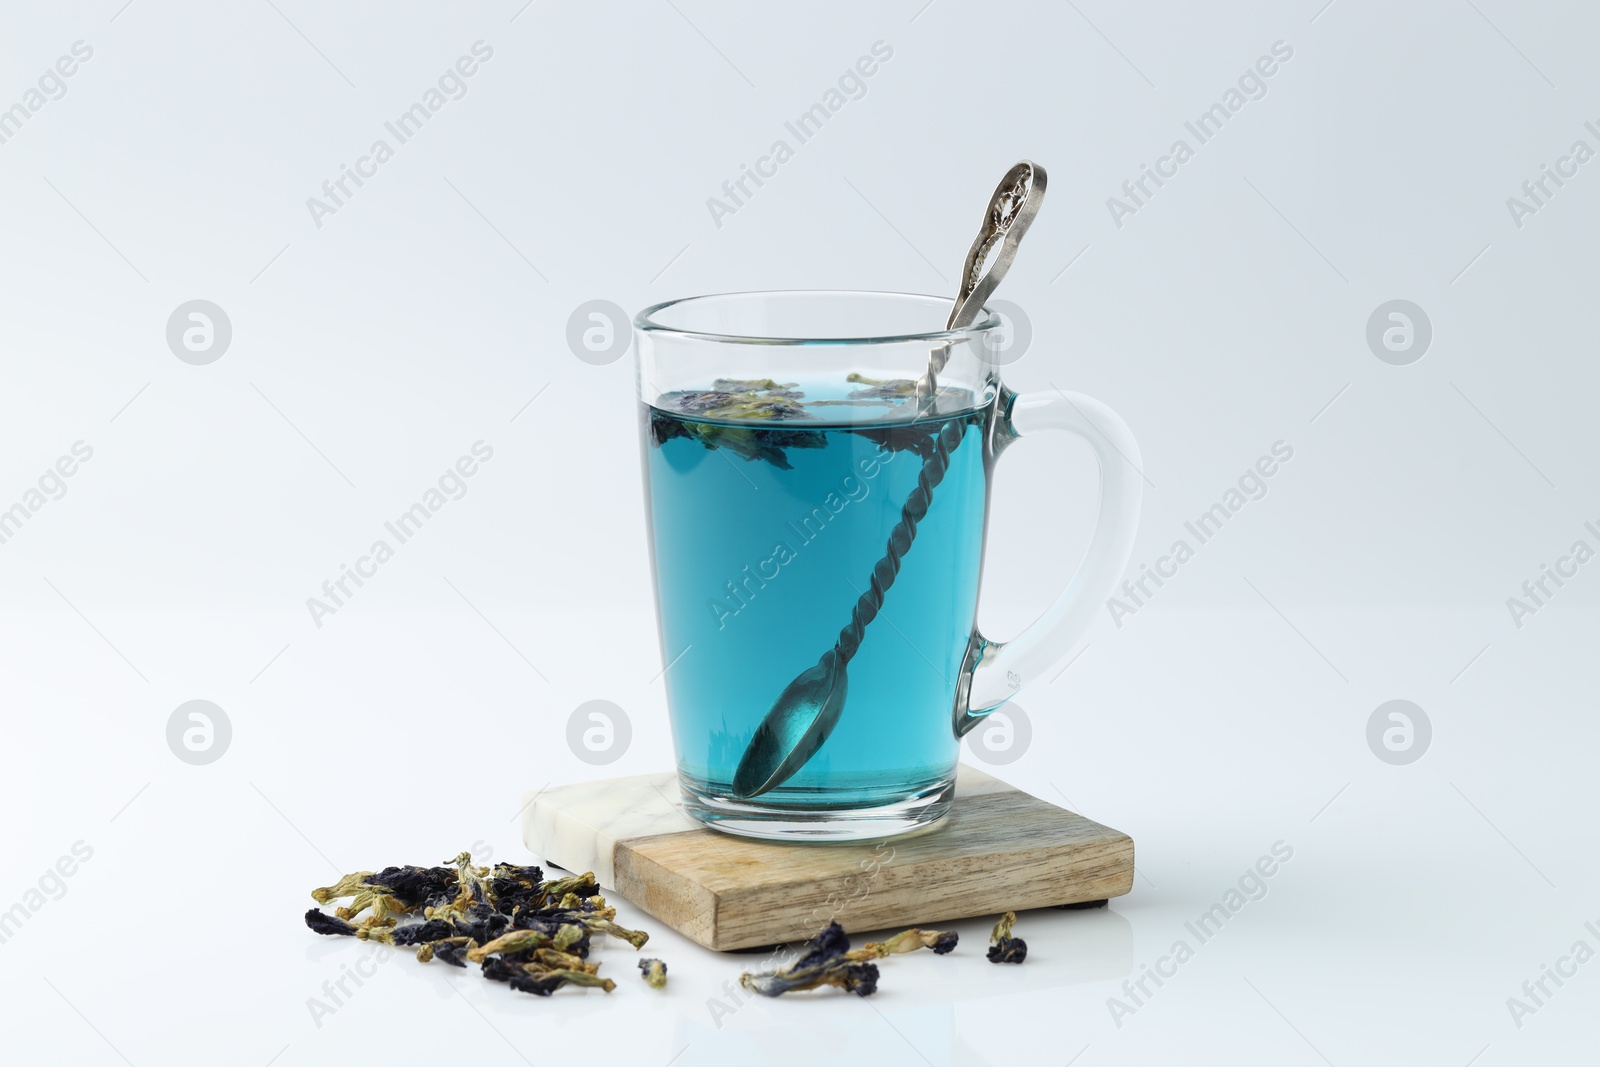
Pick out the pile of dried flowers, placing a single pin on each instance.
(534, 933)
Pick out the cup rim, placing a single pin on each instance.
(645, 324)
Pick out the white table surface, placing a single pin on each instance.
(1418, 899)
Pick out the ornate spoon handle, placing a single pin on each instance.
(1015, 202)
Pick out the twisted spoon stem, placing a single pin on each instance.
(887, 569)
(928, 386)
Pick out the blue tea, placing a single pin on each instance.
(769, 505)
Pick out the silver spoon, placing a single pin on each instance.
(807, 710)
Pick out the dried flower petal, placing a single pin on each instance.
(536, 978)
(349, 885)
(323, 923)
(1003, 948)
(655, 973)
(757, 400)
(417, 933)
(515, 941)
(582, 884)
(451, 950)
(825, 962)
(858, 978)
(543, 984)
(416, 886)
(636, 938)
(563, 961)
(881, 389)
(763, 385)
(940, 941)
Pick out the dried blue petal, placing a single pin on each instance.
(829, 943)
(323, 923)
(1003, 948)
(417, 933)
(862, 979)
(416, 886)
(482, 928)
(499, 968)
(1008, 950)
(824, 963)
(858, 977)
(451, 952)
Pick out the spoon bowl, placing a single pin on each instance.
(800, 721)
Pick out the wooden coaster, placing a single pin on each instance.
(1000, 849)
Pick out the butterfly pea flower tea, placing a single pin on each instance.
(816, 516)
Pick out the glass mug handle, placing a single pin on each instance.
(994, 671)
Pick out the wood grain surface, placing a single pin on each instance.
(1000, 849)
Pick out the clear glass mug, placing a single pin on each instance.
(781, 443)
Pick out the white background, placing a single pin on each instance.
(369, 353)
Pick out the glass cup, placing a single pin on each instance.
(786, 454)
